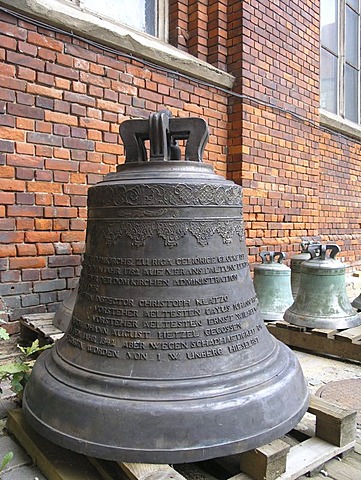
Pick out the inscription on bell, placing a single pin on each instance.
(194, 327)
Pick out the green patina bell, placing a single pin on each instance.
(322, 300)
(272, 282)
(295, 265)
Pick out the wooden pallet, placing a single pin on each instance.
(345, 344)
(39, 326)
(325, 432)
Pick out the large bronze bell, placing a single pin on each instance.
(272, 283)
(322, 300)
(64, 313)
(166, 358)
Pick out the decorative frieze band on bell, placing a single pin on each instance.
(166, 358)
(322, 300)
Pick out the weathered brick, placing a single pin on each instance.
(12, 185)
(56, 212)
(64, 260)
(45, 249)
(30, 275)
(72, 97)
(26, 61)
(45, 41)
(25, 198)
(44, 138)
(66, 272)
(25, 211)
(44, 187)
(57, 117)
(41, 236)
(49, 285)
(27, 262)
(7, 250)
(65, 165)
(25, 111)
(49, 273)
(26, 250)
(10, 276)
(6, 146)
(49, 298)
(11, 134)
(61, 71)
(78, 143)
(30, 300)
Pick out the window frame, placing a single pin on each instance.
(161, 17)
(342, 63)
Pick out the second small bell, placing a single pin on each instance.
(272, 282)
(322, 300)
(295, 265)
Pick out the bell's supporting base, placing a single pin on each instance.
(315, 321)
(236, 419)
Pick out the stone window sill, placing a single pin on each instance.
(339, 124)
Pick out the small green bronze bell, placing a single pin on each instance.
(322, 301)
(272, 282)
(295, 265)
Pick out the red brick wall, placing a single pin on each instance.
(200, 28)
(299, 182)
(62, 100)
(61, 103)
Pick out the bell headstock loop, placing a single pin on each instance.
(163, 133)
(269, 257)
(319, 250)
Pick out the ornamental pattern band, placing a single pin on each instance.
(162, 195)
(170, 231)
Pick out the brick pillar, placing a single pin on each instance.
(198, 29)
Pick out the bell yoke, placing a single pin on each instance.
(166, 358)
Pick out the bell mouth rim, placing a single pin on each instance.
(136, 389)
(167, 454)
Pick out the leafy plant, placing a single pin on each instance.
(18, 371)
(6, 459)
(4, 334)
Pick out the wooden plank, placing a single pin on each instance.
(334, 424)
(284, 324)
(339, 469)
(316, 343)
(240, 476)
(267, 462)
(107, 469)
(309, 455)
(55, 462)
(145, 471)
(37, 316)
(350, 335)
(193, 472)
(324, 332)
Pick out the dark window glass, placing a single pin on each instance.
(329, 24)
(139, 14)
(352, 37)
(351, 93)
(355, 4)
